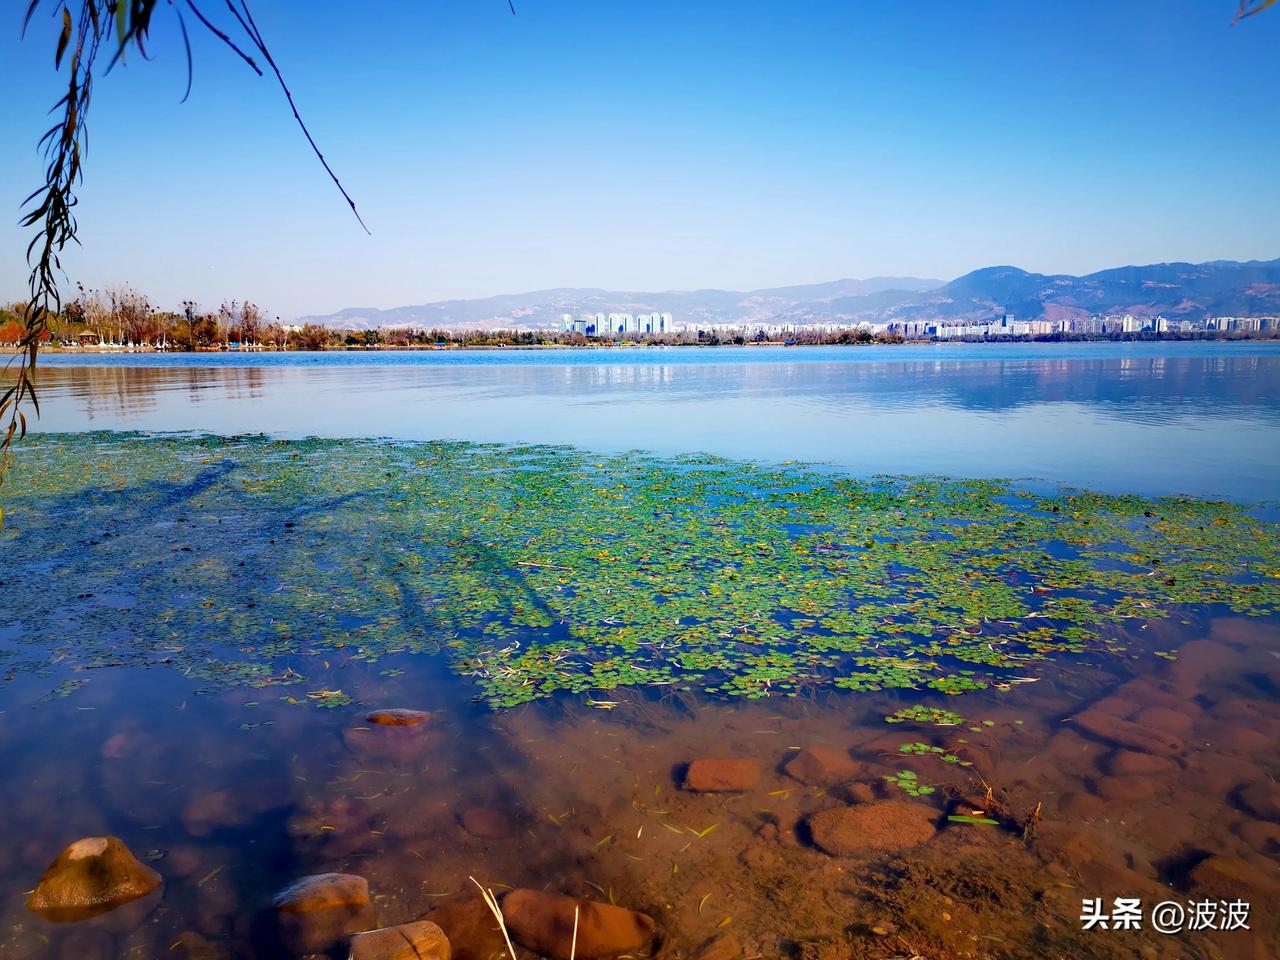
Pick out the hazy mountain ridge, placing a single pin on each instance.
(1181, 290)
(543, 308)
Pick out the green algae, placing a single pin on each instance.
(540, 570)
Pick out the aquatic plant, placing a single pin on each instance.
(909, 783)
(537, 571)
(919, 713)
(926, 749)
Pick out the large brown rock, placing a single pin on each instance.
(822, 767)
(420, 940)
(871, 827)
(316, 913)
(543, 922)
(89, 878)
(722, 776)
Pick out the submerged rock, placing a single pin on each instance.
(472, 932)
(420, 940)
(1262, 799)
(1200, 659)
(316, 913)
(1236, 739)
(1125, 733)
(486, 824)
(1163, 718)
(1085, 855)
(722, 776)
(1263, 836)
(398, 717)
(1152, 691)
(857, 793)
(868, 827)
(89, 878)
(216, 810)
(822, 767)
(1077, 805)
(395, 742)
(335, 826)
(125, 744)
(543, 922)
(1131, 763)
(1232, 878)
(1125, 789)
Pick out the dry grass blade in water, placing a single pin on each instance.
(491, 902)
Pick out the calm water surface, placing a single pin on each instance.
(1201, 419)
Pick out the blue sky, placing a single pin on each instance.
(655, 145)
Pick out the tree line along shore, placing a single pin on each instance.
(122, 319)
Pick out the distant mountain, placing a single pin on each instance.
(1184, 290)
(1177, 290)
(542, 308)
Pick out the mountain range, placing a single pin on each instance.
(1176, 290)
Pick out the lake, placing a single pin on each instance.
(1198, 419)
(815, 653)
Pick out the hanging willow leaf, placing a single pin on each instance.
(64, 39)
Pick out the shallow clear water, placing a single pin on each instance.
(231, 793)
(1198, 419)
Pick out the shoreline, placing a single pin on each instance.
(503, 347)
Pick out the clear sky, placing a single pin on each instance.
(650, 145)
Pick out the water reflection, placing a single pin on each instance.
(1164, 420)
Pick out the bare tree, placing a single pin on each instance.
(133, 315)
(250, 323)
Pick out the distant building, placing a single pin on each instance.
(612, 324)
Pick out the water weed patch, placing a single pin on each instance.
(540, 570)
